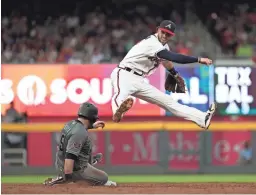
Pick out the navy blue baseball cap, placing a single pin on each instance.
(168, 26)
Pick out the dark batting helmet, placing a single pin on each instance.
(88, 111)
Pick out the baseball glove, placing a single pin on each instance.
(175, 84)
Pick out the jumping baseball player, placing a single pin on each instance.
(74, 160)
(128, 79)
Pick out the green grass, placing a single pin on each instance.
(146, 178)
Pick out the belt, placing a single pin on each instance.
(129, 70)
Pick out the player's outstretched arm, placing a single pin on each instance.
(181, 59)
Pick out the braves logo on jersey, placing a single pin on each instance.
(142, 56)
(156, 61)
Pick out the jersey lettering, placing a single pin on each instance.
(156, 61)
(142, 56)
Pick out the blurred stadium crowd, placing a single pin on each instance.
(89, 32)
(233, 25)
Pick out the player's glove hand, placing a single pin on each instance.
(53, 181)
(175, 83)
(99, 124)
(59, 180)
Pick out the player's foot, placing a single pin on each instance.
(124, 107)
(110, 183)
(97, 158)
(209, 115)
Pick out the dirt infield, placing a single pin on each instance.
(142, 188)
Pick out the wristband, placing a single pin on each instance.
(199, 60)
(173, 72)
(68, 177)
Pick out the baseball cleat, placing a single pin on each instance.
(124, 107)
(110, 183)
(209, 115)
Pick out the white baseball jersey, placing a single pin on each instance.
(142, 56)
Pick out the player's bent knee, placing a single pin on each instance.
(104, 178)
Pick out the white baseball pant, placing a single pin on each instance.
(127, 84)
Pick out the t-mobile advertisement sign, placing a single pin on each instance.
(134, 148)
(186, 144)
(227, 145)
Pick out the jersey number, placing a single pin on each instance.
(61, 144)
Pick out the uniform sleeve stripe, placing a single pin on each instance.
(118, 87)
(71, 156)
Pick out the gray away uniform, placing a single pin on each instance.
(75, 140)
